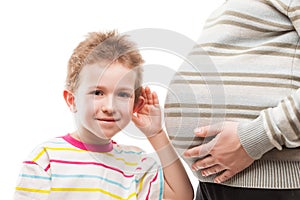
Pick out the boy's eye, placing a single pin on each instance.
(98, 92)
(124, 94)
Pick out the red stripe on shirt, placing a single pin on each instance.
(153, 180)
(30, 162)
(46, 169)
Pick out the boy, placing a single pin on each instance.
(103, 90)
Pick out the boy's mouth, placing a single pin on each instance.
(108, 119)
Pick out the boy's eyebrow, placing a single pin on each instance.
(95, 87)
(125, 88)
(118, 88)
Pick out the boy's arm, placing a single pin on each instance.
(176, 182)
(34, 183)
(148, 120)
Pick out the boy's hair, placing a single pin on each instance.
(107, 48)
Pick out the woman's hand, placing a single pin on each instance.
(223, 154)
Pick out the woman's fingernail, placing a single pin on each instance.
(204, 174)
(188, 153)
(198, 130)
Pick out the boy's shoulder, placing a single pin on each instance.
(56, 142)
(52, 142)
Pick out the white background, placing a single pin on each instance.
(37, 39)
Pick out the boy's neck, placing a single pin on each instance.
(90, 140)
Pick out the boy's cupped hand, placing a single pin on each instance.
(148, 117)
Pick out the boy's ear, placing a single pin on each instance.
(139, 104)
(70, 100)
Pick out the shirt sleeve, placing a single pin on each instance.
(151, 182)
(34, 179)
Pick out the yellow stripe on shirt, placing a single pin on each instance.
(39, 155)
(33, 190)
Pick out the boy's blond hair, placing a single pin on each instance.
(109, 47)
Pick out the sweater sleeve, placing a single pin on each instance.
(290, 8)
(274, 127)
(278, 126)
(293, 12)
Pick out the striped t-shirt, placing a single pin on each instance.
(65, 168)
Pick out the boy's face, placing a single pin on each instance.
(104, 101)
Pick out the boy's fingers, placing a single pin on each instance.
(144, 95)
(155, 98)
(149, 95)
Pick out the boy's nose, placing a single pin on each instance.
(107, 109)
(107, 106)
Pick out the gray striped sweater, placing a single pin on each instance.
(246, 68)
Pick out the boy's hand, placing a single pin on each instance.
(148, 118)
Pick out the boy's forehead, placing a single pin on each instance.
(115, 74)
